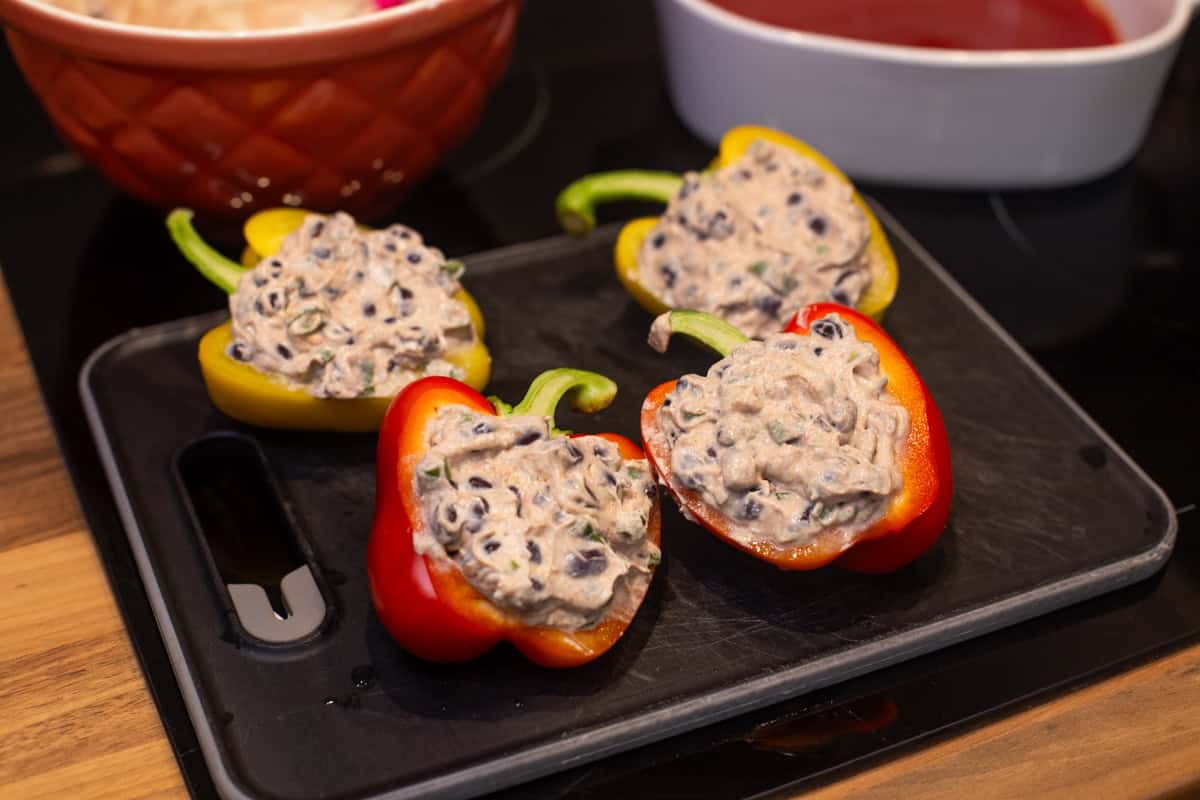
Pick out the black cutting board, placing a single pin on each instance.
(1047, 511)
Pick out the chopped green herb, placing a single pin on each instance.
(688, 416)
(779, 432)
(758, 268)
(454, 268)
(822, 249)
(634, 473)
(591, 533)
(308, 321)
(514, 565)
(654, 559)
(782, 495)
(324, 356)
(790, 283)
(432, 472)
(368, 378)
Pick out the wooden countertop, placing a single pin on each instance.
(76, 719)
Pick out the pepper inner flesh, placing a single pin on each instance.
(790, 438)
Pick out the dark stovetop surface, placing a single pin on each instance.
(1099, 282)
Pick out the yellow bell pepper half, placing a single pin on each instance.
(250, 396)
(576, 212)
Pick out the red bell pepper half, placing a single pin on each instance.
(917, 515)
(426, 604)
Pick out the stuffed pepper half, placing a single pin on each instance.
(816, 444)
(771, 227)
(491, 525)
(331, 321)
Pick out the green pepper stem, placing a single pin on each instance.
(576, 204)
(221, 271)
(714, 333)
(589, 392)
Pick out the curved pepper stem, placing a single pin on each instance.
(221, 271)
(714, 333)
(576, 204)
(589, 392)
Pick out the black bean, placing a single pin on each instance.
(768, 304)
(669, 275)
(658, 241)
(239, 351)
(318, 228)
(572, 451)
(745, 174)
(535, 552)
(283, 351)
(259, 281)
(332, 292)
(649, 490)
(258, 308)
(404, 235)
(682, 219)
(350, 341)
(389, 320)
(274, 300)
(688, 187)
(610, 479)
(414, 257)
(794, 199)
(452, 514)
(808, 509)
(667, 402)
(771, 167)
(477, 482)
(392, 365)
(368, 309)
(539, 499)
(711, 452)
(818, 225)
(517, 494)
(818, 350)
(536, 585)
(735, 282)
(390, 247)
(276, 267)
(359, 275)
(827, 329)
(405, 293)
(322, 252)
(529, 438)
(491, 546)
(751, 509)
(480, 507)
(586, 563)
(843, 277)
(482, 427)
(840, 296)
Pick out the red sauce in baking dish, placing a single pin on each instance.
(954, 24)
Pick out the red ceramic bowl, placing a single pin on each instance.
(346, 115)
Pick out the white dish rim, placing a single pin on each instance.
(1130, 49)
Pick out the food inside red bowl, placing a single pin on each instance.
(952, 24)
(222, 15)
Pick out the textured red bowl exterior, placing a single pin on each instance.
(344, 116)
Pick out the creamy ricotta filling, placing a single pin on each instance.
(549, 528)
(758, 240)
(792, 437)
(341, 312)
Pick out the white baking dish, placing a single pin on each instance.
(944, 118)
